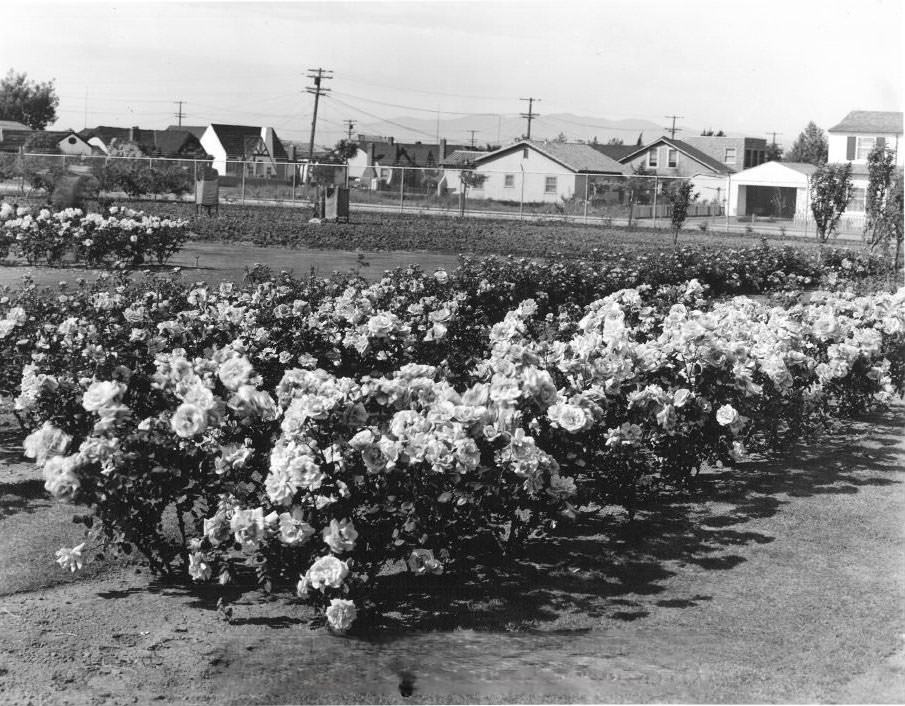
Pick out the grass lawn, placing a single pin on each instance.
(779, 581)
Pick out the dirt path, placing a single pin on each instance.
(778, 582)
(214, 262)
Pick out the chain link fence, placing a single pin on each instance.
(622, 200)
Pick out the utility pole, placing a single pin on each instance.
(350, 126)
(472, 135)
(774, 134)
(179, 114)
(317, 75)
(673, 130)
(530, 114)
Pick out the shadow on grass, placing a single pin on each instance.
(21, 496)
(607, 567)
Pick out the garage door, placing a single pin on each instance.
(770, 201)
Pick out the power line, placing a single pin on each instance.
(350, 126)
(317, 75)
(179, 114)
(530, 114)
(774, 133)
(674, 129)
(410, 107)
(377, 117)
(472, 135)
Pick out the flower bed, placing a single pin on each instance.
(314, 432)
(120, 236)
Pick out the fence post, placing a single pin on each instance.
(587, 187)
(728, 199)
(295, 170)
(402, 191)
(521, 198)
(242, 165)
(656, 191)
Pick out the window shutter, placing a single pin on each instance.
(881, 142)
(850, 148)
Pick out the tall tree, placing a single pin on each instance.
(28, 102)
(883, 201)
(831, 190)
(614, 141)
(811, 146)
(773, 153)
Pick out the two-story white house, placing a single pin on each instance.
(853, 139)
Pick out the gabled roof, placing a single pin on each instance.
(196, 130)
(13, 140)
(875, 121)
(153, 143)
(459, 157)
(234, 140)
(47, 139)
(577, 157)
(685, 148)
(13, 125)
(616, 152)
(803, 167)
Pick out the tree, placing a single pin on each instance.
(711, 133)
(640, 188)
(811, 146)
(28, 102)
(831, 190)
(614, 141)
(561, 137)
(680, 196)
(470, 179)
(774, 153)
(883, 201)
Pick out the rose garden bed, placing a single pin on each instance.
(390, 450)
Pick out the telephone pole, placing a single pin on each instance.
(350, 126)
(179, 114)
(673, 130)
(530, 114)
(472, 135)
(317, 75)
(774, 134)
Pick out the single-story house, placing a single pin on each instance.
(453, 165)
(135, 142)
(381, 162)
(534, 171)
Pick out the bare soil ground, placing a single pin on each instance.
(214, 262)
(780, 581)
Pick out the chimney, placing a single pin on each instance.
(292, 153)
(133, 133)
(391, 140)
(372, 153)
(442, 149)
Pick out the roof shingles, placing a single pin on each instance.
(871, 121)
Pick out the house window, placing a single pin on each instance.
(509, 181)
(729, 155)
(525, 153)
(864, 146)
(672, 157)
(652, 157)
(71, 140)
(857, 202)
(550, 185)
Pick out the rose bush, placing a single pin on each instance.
(120, 235)
(313, 432)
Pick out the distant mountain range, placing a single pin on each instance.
(502, 129)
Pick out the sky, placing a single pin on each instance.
(752, 68)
